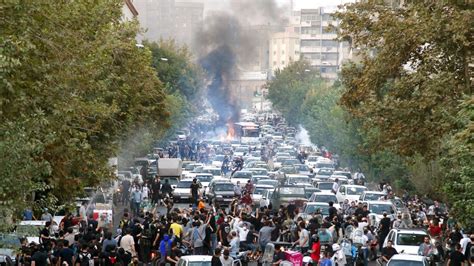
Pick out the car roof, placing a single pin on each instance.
(197, 258)
(323, 193)
(378, 202)
(317, 203)
(264, 186)
(347, 185)
(374, 192)
(186, 180)
(412, 231)
(407, 257)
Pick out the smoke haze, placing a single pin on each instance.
(226, 43)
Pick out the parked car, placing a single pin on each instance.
(406, 240)
(272, 182)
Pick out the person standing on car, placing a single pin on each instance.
(335, 186)
(195, 192)
(166, 189)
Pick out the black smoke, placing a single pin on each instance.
(227, 41)
(219, 64)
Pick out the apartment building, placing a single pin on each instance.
(318, 44)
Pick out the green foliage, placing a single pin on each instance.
(174, 67)
(289, 88)
(413, 70)
(72, 85)
(457, 162)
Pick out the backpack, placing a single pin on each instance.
(124, 224)
(85, 259)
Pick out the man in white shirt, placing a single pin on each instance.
(335, 186)
(127, 243)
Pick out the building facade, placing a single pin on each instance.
(284, 48)
(318, 44)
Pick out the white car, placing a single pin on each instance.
(408, 260)
(371, 195)
(216, 172)
(377, 208)
(350, 192)
(182, 192)
(259, 191)
(204, 179)
(217, 161)
(406, 240)
(324, 197)
(194, 260)
(298, 180)
(266, 197)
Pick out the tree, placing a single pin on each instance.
(288, 89)
(175, 68)
(412, 73)
(73, 84)
(456, 161)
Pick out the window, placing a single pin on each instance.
(282, 62)
(274, 52)
(282, 51)
(274, 63)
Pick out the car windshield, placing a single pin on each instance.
(290, 162)
(325, 186)
(302, 167)
(271, 182)
(259, 172)
(372, 196)
(312, 209)
(312, 159)
(9, 241)
(324, 165)
(405, 239)
(325, 198)
(172, 181)
(281, 159)
(224, 187)
(212, 171)
(288, 170)
(184, 184)
(300, 179)
(380, 208)
(292, 191)
(404, 263)
(242, 175)
(199, 263)
(355, 190)
(241, 149)
(28, 230)
(259, 190)
(204, 178)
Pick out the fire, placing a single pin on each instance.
(230, 130)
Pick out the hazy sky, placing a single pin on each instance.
(298, 4)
